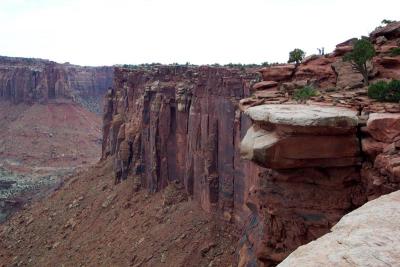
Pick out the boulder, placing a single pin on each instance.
(368, 236)
(264, 85)
(341, 50)
(371, 147)
(285, 136)
(384, 127)
(318, 69)
(304, 115)
(388, 67)
(390, 31)
(278, 73)
(347, 76)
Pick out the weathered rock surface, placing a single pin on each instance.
(36, 80)
(305, 116)
(310, 150)
(384, 127)
(368, 236)
(264, 85)
(278, 73)
(347, 76)
(390, 31)
(181, 123)
(286, 137)
(318, 70)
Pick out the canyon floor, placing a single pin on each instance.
(90, 221)
(40, 145)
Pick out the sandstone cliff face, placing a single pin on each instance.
(37, 80)
(308, 165)
(312, 154)
(178, 123)
(322, 159)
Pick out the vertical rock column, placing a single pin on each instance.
(312, 180)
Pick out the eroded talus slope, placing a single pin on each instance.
(91, 221)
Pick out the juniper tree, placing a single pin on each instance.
(363, 51)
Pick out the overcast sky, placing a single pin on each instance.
(107, 32)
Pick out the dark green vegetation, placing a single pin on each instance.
(395, 51)
(387, 21)
(363, 51)
(304, 93)
(296, 56)
(385, 91)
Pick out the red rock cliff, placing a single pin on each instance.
(316, 162)
(178, 123)
(35, 80)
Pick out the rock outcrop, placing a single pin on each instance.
(310, 151)
(37, 80)
(368, 236)
(175, 123)
(308, 165)
(340, 150)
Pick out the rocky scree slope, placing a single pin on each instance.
(90, 221)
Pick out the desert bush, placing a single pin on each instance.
(363, 51)
(296, 56)
(387, 21)
(385, 91)
(395, 51)
(304, 93)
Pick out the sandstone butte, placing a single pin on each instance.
(236, 143)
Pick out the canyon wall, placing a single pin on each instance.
(176, 123)
(307, 165)
(37, 80)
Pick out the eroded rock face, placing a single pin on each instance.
(390, 31)
(278, 73)
(37, 80)
(182, 124)
(313, 157)
(368, 236)
(384, 127)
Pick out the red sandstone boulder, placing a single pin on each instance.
(347, 77)
(286, 136)
(384, 127)
(318, 69)
(388, 67)
(390, 31)
(278, 73)
(371, 147)
(264, 85)
(342, 50)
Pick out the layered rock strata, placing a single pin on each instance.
(37, 80)
(313, 163)
(313, 158)
(175, 123)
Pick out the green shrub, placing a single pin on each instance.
(304, 93)
(395, 51)
(387, 21)
(385, 91)
(363, 51)
(296, 56)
